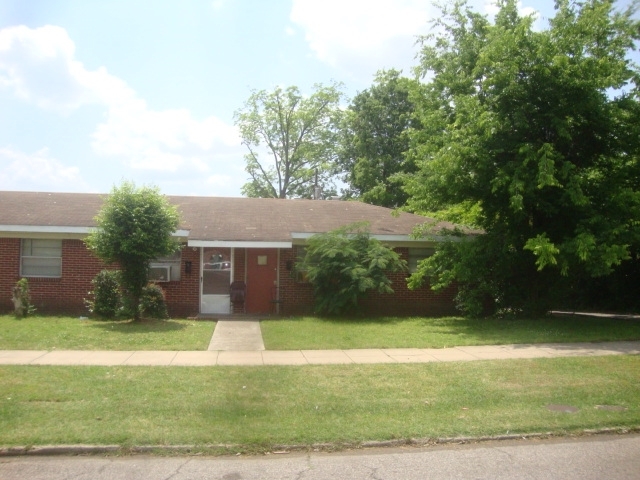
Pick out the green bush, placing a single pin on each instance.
(344, 264)
(21, 298)
(106, 297)
(152, 303)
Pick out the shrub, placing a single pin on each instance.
(152, 303)
(21, 299)
(105, 300)
(342, 265)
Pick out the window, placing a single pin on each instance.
(418, 254)
(166, 269)
(41, 258)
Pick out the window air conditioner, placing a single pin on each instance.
(160, 274)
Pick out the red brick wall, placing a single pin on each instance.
(51, 295)
(183, 297)
(296, 297)
(422, 301)
(9, 271)
(79, 266)
(67, 293)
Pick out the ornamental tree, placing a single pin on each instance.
(344, 264)
(135, 226)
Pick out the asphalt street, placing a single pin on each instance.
(611, 457)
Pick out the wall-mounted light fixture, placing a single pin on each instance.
(187, 267)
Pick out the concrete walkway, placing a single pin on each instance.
(315, 357)
(237, 335)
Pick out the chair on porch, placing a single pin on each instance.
(238, 292)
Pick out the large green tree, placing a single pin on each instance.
(374, 139)
(291, 139)
(540, 130)
(135, 226)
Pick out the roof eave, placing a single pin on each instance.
(60, 231)
(239, 244)
(387, 238)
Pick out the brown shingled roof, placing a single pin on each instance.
(217, 218)
(49, 209)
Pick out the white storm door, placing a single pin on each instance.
(217, 275)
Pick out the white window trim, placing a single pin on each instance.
(23, 256)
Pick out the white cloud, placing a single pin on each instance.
(162, 140)
(373, 33)
(491, 8)
(37, 171)
(363, 36)
(39, 65)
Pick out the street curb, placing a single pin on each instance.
(76, 450)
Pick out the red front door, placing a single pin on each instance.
(262, 274)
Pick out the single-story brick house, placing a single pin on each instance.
(252, 241)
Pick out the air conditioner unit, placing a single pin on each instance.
(160, 274)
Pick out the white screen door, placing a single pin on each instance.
(217, 275)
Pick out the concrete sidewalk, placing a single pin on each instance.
(315, 357)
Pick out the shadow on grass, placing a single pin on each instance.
(362, 320)
(142, 326)
(507, 330)
(385, 320)
(536, 330)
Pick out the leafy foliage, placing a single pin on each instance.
(344, 264)
(107, 300)
(105, 297)
(22, 299)
(135, 226)
(152, 303)
(297, 134)
(375, 137)
(540, 130)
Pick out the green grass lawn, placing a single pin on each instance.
(259, 408)
(71, 333)
(392, 332)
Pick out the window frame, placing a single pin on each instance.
(416, 254)
(172, 262)
(31, 256)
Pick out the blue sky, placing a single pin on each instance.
(96, 92)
